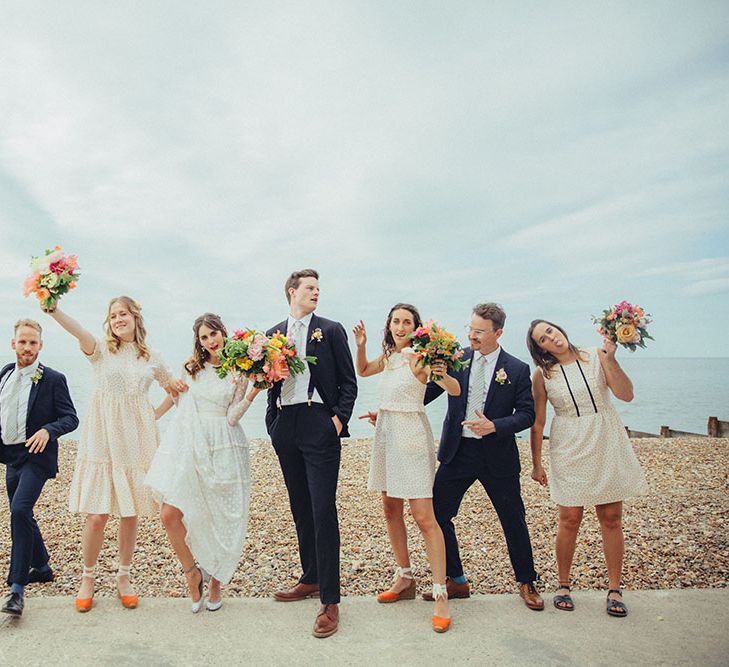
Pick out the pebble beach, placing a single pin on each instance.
(676, 536)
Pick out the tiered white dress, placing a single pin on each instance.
(591, 457)
(403, 451)
(119, 435)
(202, 467)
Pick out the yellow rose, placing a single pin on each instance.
(625, 333)
(244, 364)
(275, 342)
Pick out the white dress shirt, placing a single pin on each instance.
(22, 376)
(300, 381)
(490, 361)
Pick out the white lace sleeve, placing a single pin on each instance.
(159, 370)
(238, 404)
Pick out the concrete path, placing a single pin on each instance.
(683, 627)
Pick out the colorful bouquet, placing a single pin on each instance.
(52, 276)
(625, 324)
(431, 343)
(263, 359)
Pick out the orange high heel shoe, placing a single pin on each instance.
(406, 594)
(440, 623)
(128, 601)
(84, 604)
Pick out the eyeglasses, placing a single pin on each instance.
(476, 332)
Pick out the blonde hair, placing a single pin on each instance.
(140, 333)
(26, 322)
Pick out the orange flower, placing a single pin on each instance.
(42, 294)
(71, 285)
(31, 284)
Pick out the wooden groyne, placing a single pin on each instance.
(715, 428)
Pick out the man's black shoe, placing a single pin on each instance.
(13, 605)
(35, 576)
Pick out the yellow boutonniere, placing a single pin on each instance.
(316, 335)
(37, 375)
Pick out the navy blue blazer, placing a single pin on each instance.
(509, 406)
(49, 407)
(333, 373)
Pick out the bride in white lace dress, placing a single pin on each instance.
(201, 471)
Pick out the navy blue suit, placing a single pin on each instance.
(49, 407)
(309, 452)
(493, 460)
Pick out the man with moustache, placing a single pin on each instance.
(307, 414)
(478, 443)
(35, 410)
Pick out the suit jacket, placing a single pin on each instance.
(49, 407)
(333, 373)
(509, 406)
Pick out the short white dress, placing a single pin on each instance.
(403, 450)
(119, 435)
(590, 455)
(202, 467)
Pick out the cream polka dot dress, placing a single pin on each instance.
(403, 450)
(119, 435)
(591, 457)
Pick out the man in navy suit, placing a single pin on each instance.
(306, 416)
(35, 409)
(478, 443)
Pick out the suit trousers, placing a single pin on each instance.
(309, 452)
(453, 479)
(24, 486)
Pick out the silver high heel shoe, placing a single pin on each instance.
(204, 578)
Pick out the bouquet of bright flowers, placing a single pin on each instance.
(52, 275)
(263, 359)
(625, 324)
(432, 343)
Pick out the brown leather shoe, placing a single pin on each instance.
(298, 592)
(530, 596)
(327, 621)
(455, 591)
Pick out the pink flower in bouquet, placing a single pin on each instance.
(255, 351)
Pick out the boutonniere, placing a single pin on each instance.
(501, 377)
(37, 375)
(316, 336)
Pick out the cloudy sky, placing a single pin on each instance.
(556, 159)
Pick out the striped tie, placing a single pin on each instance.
(289, 384)
(476, 385)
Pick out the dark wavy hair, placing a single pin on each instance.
(200, 355)
(546, 360)
(388, 342)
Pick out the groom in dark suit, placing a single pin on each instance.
(478, 443)
(306, 416)
(35, 409)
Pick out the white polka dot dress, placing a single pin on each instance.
(119, 435)
(202, 467)
(403, 450)
(591, 457)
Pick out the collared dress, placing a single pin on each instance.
(591, 458)
(403, 449)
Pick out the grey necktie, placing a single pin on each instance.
(289, 384)
(476, 385)
(11, 436)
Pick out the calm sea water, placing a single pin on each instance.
(680, 393)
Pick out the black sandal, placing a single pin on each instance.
(564, 602)
(616, 607)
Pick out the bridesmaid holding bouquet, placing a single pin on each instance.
(403, 452)
(118, 439)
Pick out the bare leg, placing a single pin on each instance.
(214, 590)
(176, 531)
(570, 519)
(422, 511)
(398, 537)
(92, 539)
(610, 517)
(127, 542)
